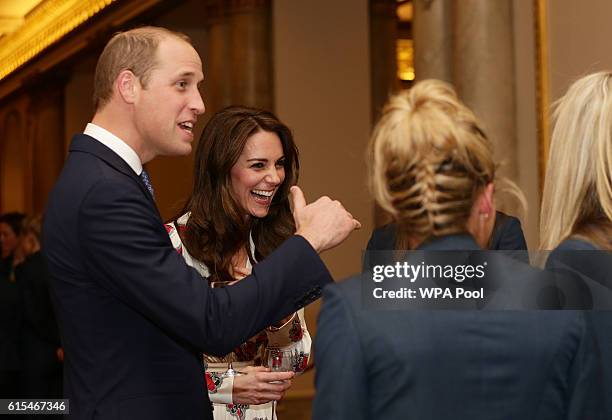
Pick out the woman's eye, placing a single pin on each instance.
(257, 165)
(181, 84)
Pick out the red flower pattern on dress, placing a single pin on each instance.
(301, 364)
(213, 381)
(169, 228)
(296, 333)
(237, 410)
(251, 348)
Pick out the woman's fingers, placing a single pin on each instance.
(272, 377)
(259, 385)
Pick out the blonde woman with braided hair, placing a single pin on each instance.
(432, 166)
(432, 169)
(577, 202)
(499, 231)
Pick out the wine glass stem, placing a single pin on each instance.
(273, 405)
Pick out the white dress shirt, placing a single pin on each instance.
(117, 145)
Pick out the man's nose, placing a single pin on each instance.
(197, 105)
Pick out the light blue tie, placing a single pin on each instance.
(147, 181)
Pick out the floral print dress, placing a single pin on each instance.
(293, 336)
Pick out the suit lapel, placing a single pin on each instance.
(87, 144)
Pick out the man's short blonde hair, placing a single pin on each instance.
(133, 50)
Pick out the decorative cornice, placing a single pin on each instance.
(46, 24)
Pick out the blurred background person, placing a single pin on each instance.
(10, 310)
(41, 373)
(577, 201)
(432, 169)
(504, 233)
(238, 213)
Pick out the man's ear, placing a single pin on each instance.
(128, 86)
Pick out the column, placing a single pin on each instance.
(251, 52)
(433, 43)
(483, 67)
(383, 53)
(239, 53)
(217, 93)
(46, 137)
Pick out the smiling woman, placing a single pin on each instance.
(258, 173)
(238, 213)
(245, 163)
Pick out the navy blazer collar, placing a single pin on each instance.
(458, 242)
(87, 144)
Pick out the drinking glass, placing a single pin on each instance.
(278, 360)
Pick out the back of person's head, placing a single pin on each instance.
(14, 220)
(29, 238)
(134, 50)
(429, 157)
(31, 225)
(577, 195)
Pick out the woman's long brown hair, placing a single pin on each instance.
(217, 228)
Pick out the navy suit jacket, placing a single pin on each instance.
(133, 316)
(583, 264)
(451, 365)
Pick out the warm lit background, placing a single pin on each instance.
(324, 66)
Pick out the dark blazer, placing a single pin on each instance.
(133, 316)
(455, 365)
(580, 262)
(10, 319)
(41, 373)
(507, 235)
(10, 327)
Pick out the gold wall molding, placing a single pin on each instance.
(542, 86)
(97, 31)
(46, 24)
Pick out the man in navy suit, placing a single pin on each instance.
(133, 317)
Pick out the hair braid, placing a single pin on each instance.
(429, 156)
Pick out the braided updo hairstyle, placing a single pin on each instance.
(428, 158)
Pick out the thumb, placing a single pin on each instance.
(297, 201)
